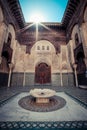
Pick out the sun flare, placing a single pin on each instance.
(36, 18)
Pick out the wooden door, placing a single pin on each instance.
(43, 73)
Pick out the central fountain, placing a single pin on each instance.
(42, 95)
(42, 100)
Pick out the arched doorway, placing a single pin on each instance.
(42, 73)
(6, 59)
(81, 67)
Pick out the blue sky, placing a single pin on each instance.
(47, 10)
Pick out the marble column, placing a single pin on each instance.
(75, 72)
(11, 66)
(24, 78)
(24, 67)
(61, 77)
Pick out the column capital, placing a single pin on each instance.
(74, 65)
(11, 65)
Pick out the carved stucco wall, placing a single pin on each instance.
(28, 62)
(71, 44)
(2, 30)
(1, 15)
(65, 63)
(25, 63)
(11, 30)
(82, 35)
(81, 30)
(20, 58)
(74, 32)
(40, 53)
(5, 29)
(85, 14)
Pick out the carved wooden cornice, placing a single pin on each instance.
(16, 11)
(69, 12)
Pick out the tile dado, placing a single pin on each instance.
(30, 79)
(67, 125)
(3, 79)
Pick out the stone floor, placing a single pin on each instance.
(76, 95)
(71, 111)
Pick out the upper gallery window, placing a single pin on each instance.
(47, 47)
(43, 47)
(38, 47)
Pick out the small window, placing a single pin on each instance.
(9, 39)
(47, 47)
(38, 47)
(43, 47)
(76, 39)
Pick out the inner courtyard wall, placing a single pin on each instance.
(22, 64)
(42, 52)
(78, 46)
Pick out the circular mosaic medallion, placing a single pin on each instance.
(29, 103)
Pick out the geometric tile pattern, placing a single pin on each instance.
(29, 103)
(78, 100)
(5, 101)
(43, 125)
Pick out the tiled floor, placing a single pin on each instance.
(72, 111)
(80, 94)
(79, 118)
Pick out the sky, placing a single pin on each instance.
(43, 10)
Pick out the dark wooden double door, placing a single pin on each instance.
(42, 73)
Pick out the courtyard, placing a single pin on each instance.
(72, 115)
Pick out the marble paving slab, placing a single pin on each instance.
(72, 111)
